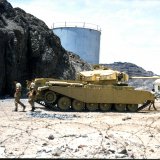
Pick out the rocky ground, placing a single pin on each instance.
(54, 134)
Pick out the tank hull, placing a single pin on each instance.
(79, 97)
(108, 94)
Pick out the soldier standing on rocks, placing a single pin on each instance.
(17, 96)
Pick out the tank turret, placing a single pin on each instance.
(103, 76)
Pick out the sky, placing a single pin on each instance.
(130, 29)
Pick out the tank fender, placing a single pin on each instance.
(43, 88)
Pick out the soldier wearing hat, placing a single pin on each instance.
(17, 96)
(31, 94)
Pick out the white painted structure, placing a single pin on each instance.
(82, 39)
(157, 86)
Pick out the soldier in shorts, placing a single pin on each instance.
(17, 96)
(32, 95)
(152, 103)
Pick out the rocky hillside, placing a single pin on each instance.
(29, 49)
(130, 68)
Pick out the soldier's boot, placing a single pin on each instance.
(33, 108)
(16, 108)
(149, 108)
(24, 107)
(154, 107)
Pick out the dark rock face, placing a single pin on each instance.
(29, 49)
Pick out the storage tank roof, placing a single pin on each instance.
(76, 25)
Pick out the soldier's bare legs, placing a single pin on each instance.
(16, 106)
(17, 101)
(152, 104)
(31, 102)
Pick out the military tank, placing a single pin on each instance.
(99, 89)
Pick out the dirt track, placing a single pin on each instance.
(53, 134)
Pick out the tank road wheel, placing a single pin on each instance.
(132, 107)
(78, 105)
(64, 103)
(105, 107)
(120, 107)
(50, 97)
(92, 106)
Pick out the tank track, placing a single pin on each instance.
(51, 107)
(47, 105)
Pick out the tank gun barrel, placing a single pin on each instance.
(143, 77)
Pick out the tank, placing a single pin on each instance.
(99, 89)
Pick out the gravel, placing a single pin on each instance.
(53, 134)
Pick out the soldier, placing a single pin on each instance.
(31, 94)
(152, 104)
(32, 98)
(17, 96)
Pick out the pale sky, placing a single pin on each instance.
(130, 29)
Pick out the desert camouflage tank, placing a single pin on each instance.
(100, 89)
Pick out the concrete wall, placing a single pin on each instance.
(82, 41)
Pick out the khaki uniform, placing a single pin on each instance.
(17, 96)
(31, 95)
(30, 85)
(152, 103)
(32, 98)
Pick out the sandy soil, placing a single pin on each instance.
(53, 134)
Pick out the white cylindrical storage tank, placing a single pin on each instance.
(81, 40)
